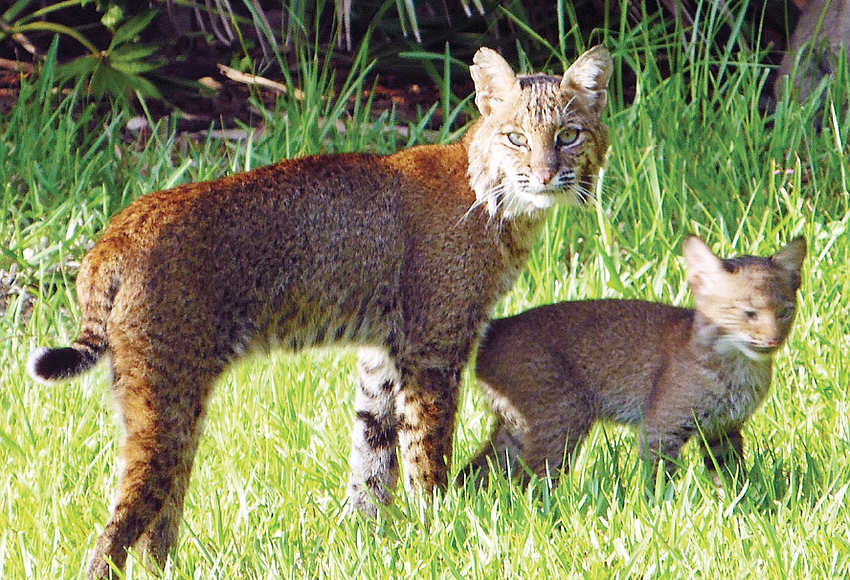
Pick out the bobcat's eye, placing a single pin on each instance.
(566, 137)
(517, 139)
(784, 312)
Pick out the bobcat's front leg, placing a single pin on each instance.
(726, 452)
(374, 463)
(426, 409)
(418, 412)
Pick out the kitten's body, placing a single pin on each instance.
(550, 372)
(403, 255)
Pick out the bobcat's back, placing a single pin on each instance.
(608, 352)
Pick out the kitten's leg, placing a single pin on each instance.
(374, 463)
(427, 406)
(663, 439)
(162, 425)
(552, 441)
(727, 451)
(501, 452)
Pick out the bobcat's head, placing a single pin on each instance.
(751, 301)
(540, 140)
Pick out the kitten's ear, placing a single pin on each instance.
(589, 75)
(791, 257)
(703, 265)
(493, 77)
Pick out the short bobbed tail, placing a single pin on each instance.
(97, 285)
(49, 365)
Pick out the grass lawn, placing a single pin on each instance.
(693, 154)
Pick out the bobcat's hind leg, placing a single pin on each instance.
(374, 462)
(162, 425)
(501, 452)
(161, 537)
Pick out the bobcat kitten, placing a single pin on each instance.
(551, 371)
(403, 255)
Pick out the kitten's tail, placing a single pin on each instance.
(96, 291)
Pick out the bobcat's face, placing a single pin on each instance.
(757, 316)
(540, 141)
(538, 154)
(751, 300)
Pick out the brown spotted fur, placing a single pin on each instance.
(673, 373)
(403, 255)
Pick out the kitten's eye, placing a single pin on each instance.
(566, 136)
(517, 139)
(751, 314)
(784, 312)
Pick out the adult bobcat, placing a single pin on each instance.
(403, 255)
(551, 371)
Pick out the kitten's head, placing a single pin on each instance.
(751, 300)
(540, 140)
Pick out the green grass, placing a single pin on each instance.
(692, 155)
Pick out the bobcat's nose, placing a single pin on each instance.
(543, 174)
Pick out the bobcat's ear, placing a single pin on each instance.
(589, 76)
(493, 77)
(703, 266)
(791, 257)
